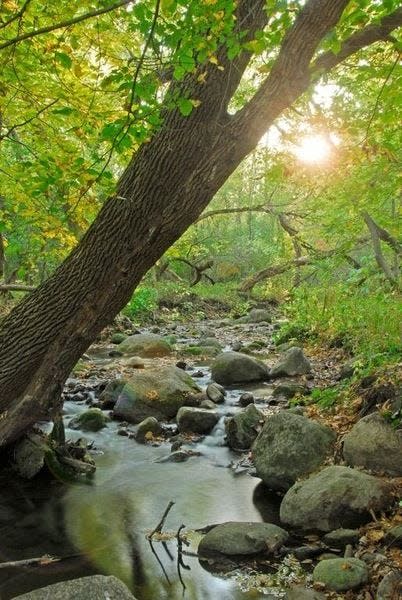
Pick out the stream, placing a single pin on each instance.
(132, 487)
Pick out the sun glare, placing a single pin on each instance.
(313, 149)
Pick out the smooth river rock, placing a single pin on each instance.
(374, 445)
(155, 393)
(289, 446)
(293, 362)
(337, 497)
(95, 587)
(341, 574)
(196, 420)
(243, 428)
(242, 538)
(149, 345)
(235, 367)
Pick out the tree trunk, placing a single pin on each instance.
(163, 190)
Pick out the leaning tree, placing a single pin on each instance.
(168, 182)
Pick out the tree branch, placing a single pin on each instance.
(17, 15)
(84, 17)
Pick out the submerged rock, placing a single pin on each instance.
(243, 428)
(147, 345)
(155, 393)
(234, 367)
(94, 587)
(289, 446)
(337, 497)
(341, 574)
(92, 419)
(374, 445)
(196, 420)
(242, 538)
(292, 363)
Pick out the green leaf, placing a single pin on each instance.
(185, 106)
(63, 59)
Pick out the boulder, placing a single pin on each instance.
(242, 539)
(196, 420)
(341, 574)
(289, 390)
(235, 367)
(147, 429)
(92, 419)
(243, 428)
(29, 456)
(95, 587)
(289, 446)
(155, 393)
(258, 315)
(292, 363)
(337, 497)
(390, 587)
(246, 398)
(374, 445)
(340, 538)
(216, 393)
(148, 345)
(108, 397)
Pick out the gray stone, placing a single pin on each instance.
(149, 345)
(246, 399)
(155, 393)
(337, 497)
(238, 538)
(390, 587)
(135, 362)
(92, 419)
(292, 363)
(235, 367)
(258, 315)
(29, 456)
(216, 393)
(108, 397)
(148, 428)
(341, 574)
(288, 390)
(243, 428)
(196, 420)
(210, 342)
(290, 446)
(340, 538)
(374, 445)
(301, 593)
(208, 404)
(394, 537)
(95, 587)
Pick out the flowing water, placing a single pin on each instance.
(109, 520)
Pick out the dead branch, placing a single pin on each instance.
(161, 523)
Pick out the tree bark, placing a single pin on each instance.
(164, 189)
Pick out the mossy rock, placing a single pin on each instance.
(341, 574)
(147, 345)
(92, 419)
(118, 337)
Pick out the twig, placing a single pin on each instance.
(180, 563)
(161, 523)
(41, 561)
(159, 561)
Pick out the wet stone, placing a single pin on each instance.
(341, 574)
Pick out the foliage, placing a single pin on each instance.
(143, 303)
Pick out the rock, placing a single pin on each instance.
(340, 538)
(374, 445)
(236, 346)
(341, 574)
(115, 354)
(347, 370)
(246, 399)
(196, 420)
(390, 587)
(29, 456)
(301, 593)
(292, 363)
(201, 350)
(239, 538)
(135, 362)
(92, 419)
(108, 397)
(175, 456)
(243, 428)
(208, 404)
(149, 345)
(216, 393)
(147, 429)
(394, 537)
(288, 390)
(337, 497)
(95, 587)
(257, 315)
(288, 447)
(118, 337)
(210, 342)
(155, 393)
(235, 367)
(181, 365)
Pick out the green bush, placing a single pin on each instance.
(142, 304)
